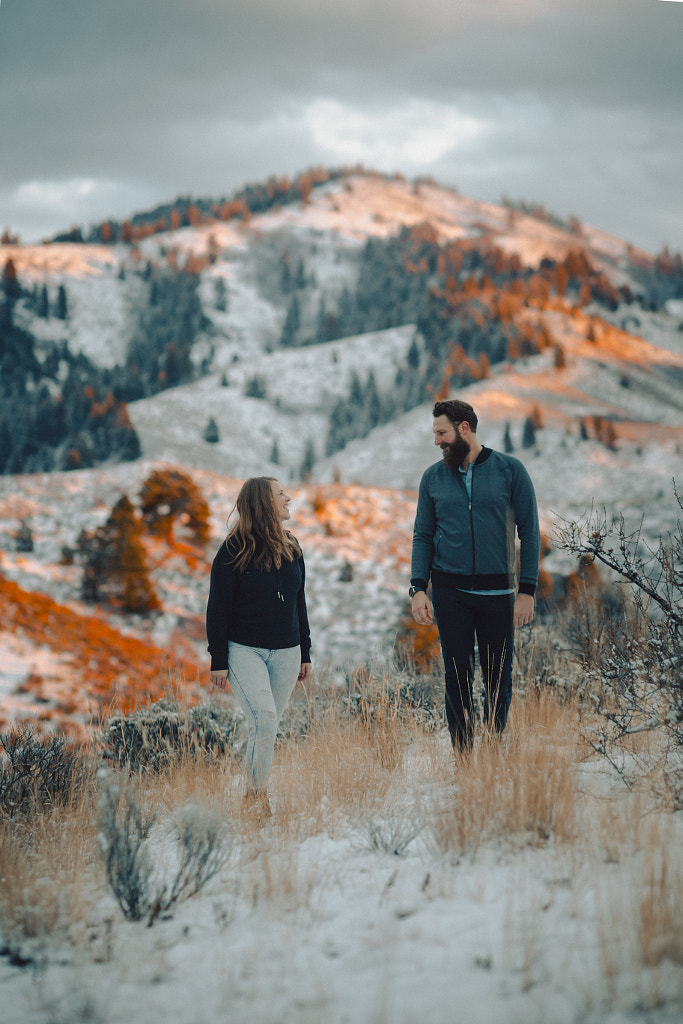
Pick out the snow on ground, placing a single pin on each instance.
(326, 930)
(302, 385)
(101, 306)
(361, 533)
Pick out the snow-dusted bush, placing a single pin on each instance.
(631, 649)
(37, 774)
(151, 737)
(135, 879)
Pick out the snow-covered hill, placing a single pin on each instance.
(357, 508)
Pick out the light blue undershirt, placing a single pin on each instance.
(467, 478)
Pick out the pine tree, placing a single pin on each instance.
(413, 356)
(115, 567)
(211, 434)
(292, 323)
(275, 454)
(529, 433)
(62, 310)
(43, 303)
(221, 295)
(507, 440)
(308, 461)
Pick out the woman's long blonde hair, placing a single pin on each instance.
(260, 538)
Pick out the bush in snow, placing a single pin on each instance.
(37, 774)
(150, 738)
(631, 650)
(135, 881)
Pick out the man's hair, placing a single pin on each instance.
(457, 412)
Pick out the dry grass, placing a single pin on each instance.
(50, 878)
(519, 787)
(390, 784)
(331, 777)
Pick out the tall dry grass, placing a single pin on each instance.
(391, 782)
(50, 878)
(518, 788)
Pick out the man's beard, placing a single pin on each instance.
(455, 453)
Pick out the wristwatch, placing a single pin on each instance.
(414, 590)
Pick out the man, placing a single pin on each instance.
(468, 507)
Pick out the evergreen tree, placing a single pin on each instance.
(5, 444)
(62, 310)
(275, 454)
(308, 461)
(507, 440)
(115, 569)
(300, 275)
(255, 387)
(211, 434)
(23, 538)
(43, 309)
(292, 323)
(221, 295)
(372, 403)
(529, 433)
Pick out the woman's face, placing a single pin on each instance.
(281, 499)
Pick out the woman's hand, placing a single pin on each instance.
(220, 678)
(304, 671)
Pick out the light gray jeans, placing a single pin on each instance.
(262, 681)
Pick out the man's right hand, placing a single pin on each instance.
(421, 608)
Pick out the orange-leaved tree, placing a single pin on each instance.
(168, 495)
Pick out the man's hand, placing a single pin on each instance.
(421, 608)
(220, 678)
(524, 610)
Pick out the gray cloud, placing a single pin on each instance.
(150, 100)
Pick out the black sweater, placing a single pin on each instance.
(256, 608)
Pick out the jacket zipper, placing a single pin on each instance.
(469, 500)
(469, 508)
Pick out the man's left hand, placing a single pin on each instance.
(524, 610)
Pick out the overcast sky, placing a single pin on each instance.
(110, 106)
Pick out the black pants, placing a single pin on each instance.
(460, 617)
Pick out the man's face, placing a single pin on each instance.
(448, 437)
(444, 431)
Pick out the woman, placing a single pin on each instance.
(257, 624)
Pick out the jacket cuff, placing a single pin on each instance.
(527, 588)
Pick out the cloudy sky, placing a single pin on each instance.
(111, 106)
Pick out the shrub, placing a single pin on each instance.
(37, 774)
(124, 839)
(631, 651)
(150, 738)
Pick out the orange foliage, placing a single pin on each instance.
(111, 672)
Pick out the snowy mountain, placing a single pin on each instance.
(615, 364)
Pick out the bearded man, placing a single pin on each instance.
(469, 506)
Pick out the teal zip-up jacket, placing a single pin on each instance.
(471, 545)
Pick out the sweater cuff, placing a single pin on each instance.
(527, 588)
(418, 583)
(219, 662)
